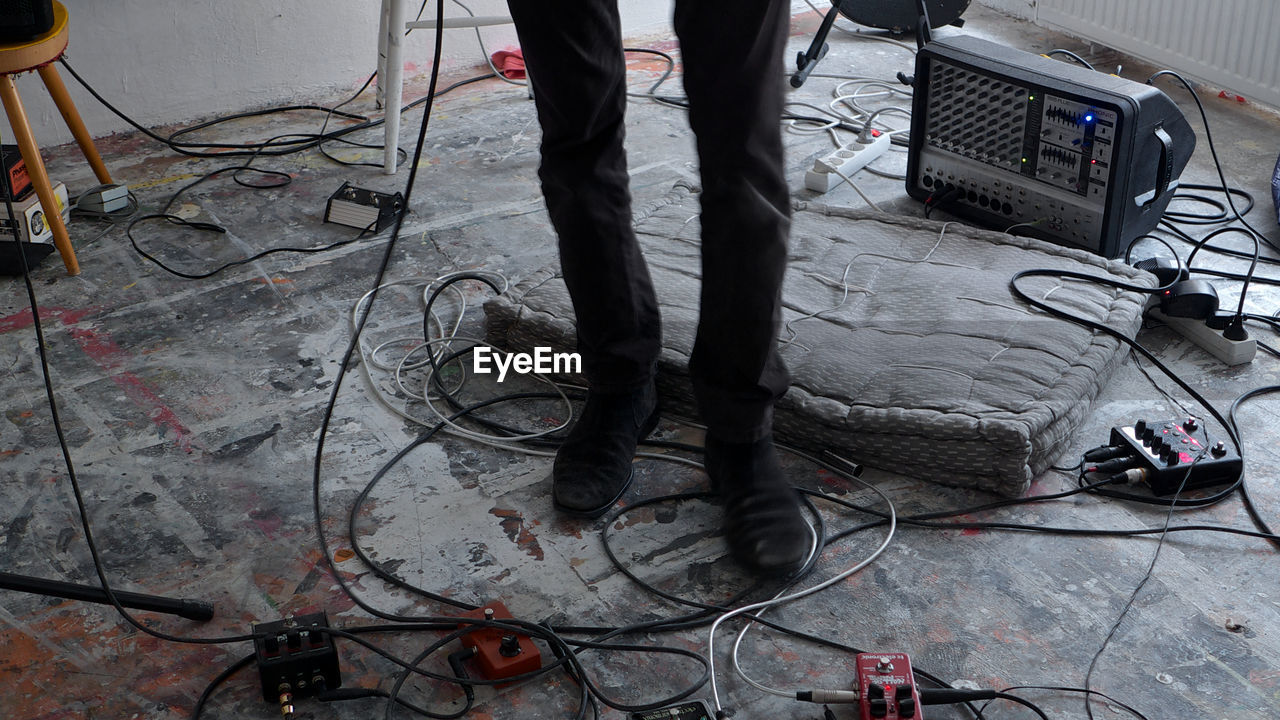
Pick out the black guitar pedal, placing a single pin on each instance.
(1169, 450)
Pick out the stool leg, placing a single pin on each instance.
(35, 168)
(53, 81)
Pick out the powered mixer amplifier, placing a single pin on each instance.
(1069, 155)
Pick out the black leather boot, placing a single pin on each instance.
(763, 523)
(593, 466)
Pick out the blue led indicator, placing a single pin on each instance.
(1088, 118)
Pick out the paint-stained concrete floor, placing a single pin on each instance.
(192, 410)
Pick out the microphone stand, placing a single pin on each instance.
(806, 61)
(189, 609)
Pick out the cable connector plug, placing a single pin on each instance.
(1106, 452)
(834, 697)
(1120, 463)
(1235, 331)
(1128, 476)
(286, 701)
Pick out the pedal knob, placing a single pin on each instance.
(509, 646)
(1138, 427)
(1190, 424)
(1219, 449)
(1147, 434)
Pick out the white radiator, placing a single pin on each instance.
(1231, 43)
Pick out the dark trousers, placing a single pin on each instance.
(731, 54)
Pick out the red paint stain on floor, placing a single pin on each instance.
(111, 358)
(513, 525)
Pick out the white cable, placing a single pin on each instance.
(369, 359)
(742, 634)
(844, 286)
(856, 189)
(484, 51)
(893, 526)
(671, 458)
(460, 430)
(1009, 230)
(401, 367)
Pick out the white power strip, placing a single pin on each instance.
(1231, 352)
(833, 168)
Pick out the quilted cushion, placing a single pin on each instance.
(907, 350)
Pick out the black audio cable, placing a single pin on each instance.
(1107, 452)
(928, 696)
(1123, 462)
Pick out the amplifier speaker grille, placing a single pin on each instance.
(976, 116)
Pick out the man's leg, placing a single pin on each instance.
(733, 77)
(573, 52)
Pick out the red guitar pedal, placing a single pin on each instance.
(886, 687)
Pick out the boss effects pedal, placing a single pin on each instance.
(886, 687)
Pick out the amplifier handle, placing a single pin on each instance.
(1164, 171)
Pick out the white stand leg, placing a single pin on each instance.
(382, 56)
(393, 93)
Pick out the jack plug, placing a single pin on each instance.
(1128, 476)
(286, 701)
(1120, 463)
(1106, 452)
(828, 696)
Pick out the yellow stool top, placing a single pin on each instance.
(30, 54)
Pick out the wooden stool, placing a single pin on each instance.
(39, 55)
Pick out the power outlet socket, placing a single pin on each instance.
(831, 169)
(1231, 352)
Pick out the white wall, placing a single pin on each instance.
(172, 61)
(1229, 43)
